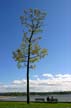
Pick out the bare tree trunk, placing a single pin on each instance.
(28, 75)
(28, 62)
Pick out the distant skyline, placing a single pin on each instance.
(53, 73)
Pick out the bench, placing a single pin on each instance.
(53, 100)
(39, 99)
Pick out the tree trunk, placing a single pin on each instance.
(28, 99)
(28, 62)
(28, 83)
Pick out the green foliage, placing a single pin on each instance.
(32, 21)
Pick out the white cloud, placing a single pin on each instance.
(47, 75)
(49, 82)
(63, 75)
(19, 82)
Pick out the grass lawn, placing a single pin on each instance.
(34, 105)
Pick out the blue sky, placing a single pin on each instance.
(56, 36)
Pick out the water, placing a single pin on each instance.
(60, 97)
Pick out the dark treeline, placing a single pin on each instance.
(32, 93)
(13, 94)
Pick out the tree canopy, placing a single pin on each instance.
(32, 20)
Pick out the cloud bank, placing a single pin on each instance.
(47, 82)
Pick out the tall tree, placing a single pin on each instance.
(30, 51)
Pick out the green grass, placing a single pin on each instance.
(34, 105)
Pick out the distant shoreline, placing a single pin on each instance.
(32, 93)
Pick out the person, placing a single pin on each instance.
(48, 99)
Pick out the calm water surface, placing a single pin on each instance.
(61, 98)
